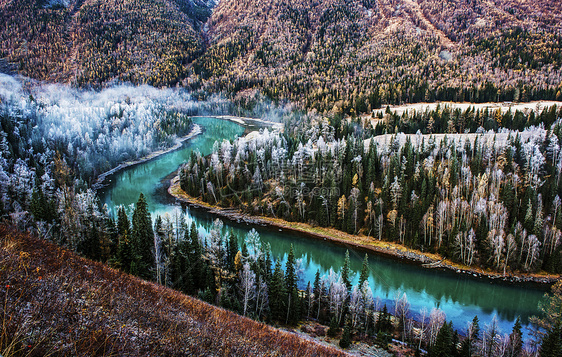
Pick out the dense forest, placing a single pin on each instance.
(340, 56)
(54, 142)
(92, 42)
(57, 303)
(49, 160)
(488, 199)
(351, 56)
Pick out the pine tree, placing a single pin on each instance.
(232, 250)
(516, 339)
(317, 293)
(551, 321)
(123, 225)
(346, 272)
(443, 346)
(182, 278)
(142, 238)
(468, 346)
(364, 270)
(290, 273)
(333, 329)
(195, 259)
(345, 341)
(267, 263)
(552, 343)
(277, 293)
(293, 303)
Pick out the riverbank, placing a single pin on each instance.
(196, 130)
(361, 242)
(245, 121)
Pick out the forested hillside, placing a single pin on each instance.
(93, 42)
(353, 55)
(56, 303)
(345, 56)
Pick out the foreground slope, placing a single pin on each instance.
(54, 302)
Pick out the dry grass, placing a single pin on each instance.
(56, 303)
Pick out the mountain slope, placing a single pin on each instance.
(54, 302)
(333, 55)
(355, 54)
(95, 41)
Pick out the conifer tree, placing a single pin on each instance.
(346, 272)
(277, 293)
(515, 340)
(443, 346)
(552, 343)
(469, 344)
(142, 238)
(268, 263)
(364, 270)
(197, 266)
(124, 247)
(293, 303)
(232, 250)
(345, 341)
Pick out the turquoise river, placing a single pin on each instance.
(461, 297)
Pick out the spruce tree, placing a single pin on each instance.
(232, 250)
(552, 343)
(277, 293)
(293, 303)
(345, 341)
(123, 225)
(268, 263)
(516, 339)
(195, 260)
(364, 271)
(182, 278)
(290, 272)
(346, 272)
(443, 342)
(142, 238)
(468, 345)
(316, 291)
(333, 329)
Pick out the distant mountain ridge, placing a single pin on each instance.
(340, 55)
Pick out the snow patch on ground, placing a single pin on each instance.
(498, 140)
(504, 107)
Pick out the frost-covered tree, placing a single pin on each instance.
(247, 287)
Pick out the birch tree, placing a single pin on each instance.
(247, 286)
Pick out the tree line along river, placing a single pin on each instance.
(461, 297)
